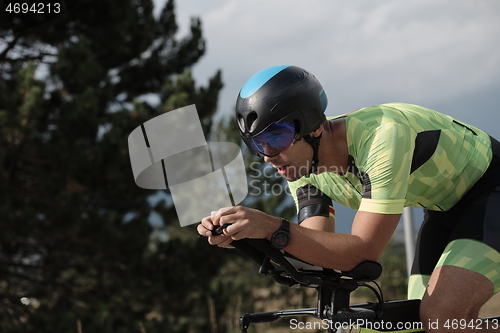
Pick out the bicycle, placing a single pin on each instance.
(334, 289)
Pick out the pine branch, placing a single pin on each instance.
(10, 46)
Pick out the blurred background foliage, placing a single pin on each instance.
(82, 248)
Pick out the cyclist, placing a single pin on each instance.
(376, 160)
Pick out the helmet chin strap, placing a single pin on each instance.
(314, 142)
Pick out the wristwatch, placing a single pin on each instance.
(281, 237)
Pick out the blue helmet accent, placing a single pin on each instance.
(259, 79)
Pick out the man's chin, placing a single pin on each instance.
(291, 177)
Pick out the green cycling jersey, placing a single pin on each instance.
(404, 155)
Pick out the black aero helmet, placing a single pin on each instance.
(280, 94)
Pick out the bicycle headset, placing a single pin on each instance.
(278, 106)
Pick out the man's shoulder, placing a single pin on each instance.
(377, 113)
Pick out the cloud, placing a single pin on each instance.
(364, 52)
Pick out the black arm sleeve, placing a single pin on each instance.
(312, 202)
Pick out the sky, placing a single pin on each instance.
(441, 54)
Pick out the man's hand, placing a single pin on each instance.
(206, 227)
(244, 223)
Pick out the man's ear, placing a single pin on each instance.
(317, 131)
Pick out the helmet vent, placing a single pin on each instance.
(241, 123)
(251, 121)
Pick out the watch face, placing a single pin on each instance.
(281, 239)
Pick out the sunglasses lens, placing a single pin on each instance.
(273, 140)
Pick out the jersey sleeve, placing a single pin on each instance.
(313, 202)
(383, 162)
(310, 201)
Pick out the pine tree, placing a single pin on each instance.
(77, 249)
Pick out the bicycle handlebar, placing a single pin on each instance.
(346, 315)
(259, 249)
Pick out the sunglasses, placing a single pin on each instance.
(273, 139)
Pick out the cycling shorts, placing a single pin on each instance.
(467, 235)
